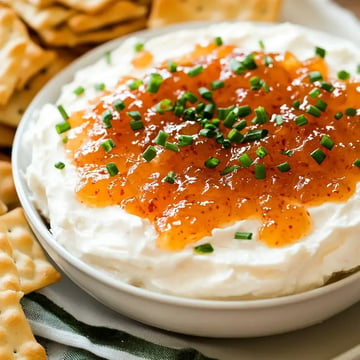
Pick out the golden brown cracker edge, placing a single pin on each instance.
(35, 271)
(212, 10)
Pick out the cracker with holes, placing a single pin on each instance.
(36, 59)
(212, 10)
(117, 12)
(9, 278)
(16, 338)
(34, 269)
(41, 18)
(63, 36)
(17, 341)
(11, 113)
(13, 42)
(8, 196)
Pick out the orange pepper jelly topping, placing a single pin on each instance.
(217, 137)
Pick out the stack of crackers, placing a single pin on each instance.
(37, 39)
(23, 269)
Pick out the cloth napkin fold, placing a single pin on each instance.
(65, 337)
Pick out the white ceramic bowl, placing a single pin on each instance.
(194, 317)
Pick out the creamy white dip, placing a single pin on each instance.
(123, 245)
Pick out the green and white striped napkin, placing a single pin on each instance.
(67, 338)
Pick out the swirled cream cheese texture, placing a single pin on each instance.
(124, 246)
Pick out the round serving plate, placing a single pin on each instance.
(213, 318)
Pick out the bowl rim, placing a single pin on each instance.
(37, 222)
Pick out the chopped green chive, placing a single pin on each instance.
(119, 105)
(217, 84)
(301, 120)
(149, 153)
(284, 167)
(243, 235)
(112, 169)
(107, 57)
(237, 67)
(230, 119)
(240, 125)
(338, 115)
(108, 145)
(189, 114)
(135, 84)
(314, 93)
(106, 117)
(209, 133)
(205, 93)
(262, 45)
(189, 96)
(196, 70)
(327, 142)
(134, 114)
(223, 112)
(313, 110)
(279, 120)
(261, 116)
(249, 62)
(245, 160)
(79, 90)
(65, 139)
(99, 87)
(320, 52)
(254, 135)
(296, 104)
(321, 104)
(138, 46)
(318, 155)
(172, 66)
(343, 75)
(327, 86)
(63, 112)
(260, 171)
(185, 140)
(155, 82)
(229, 169)
(287, 152)
(171, 146)
(315, 76)
(255, 83)
(243, 111)
(179, 110)
(235, 136)
(350, 111)
(204, 248)
(164, 106)
(136, 125)
(161, 138)
(357, 162)
(212, 162)
(268, 61)
(261, 152)
(59, 165)
(170, 177)
(218, 41)
(358, 69)
(62, 127)
(209, 111)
